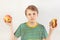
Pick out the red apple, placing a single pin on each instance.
(7, 19)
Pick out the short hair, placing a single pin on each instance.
(31, 7)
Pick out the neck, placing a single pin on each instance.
(32, 22)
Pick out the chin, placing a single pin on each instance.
(32, 20)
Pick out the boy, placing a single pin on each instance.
(30, 30)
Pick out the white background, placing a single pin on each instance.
(48, 9)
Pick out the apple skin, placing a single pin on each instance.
(7, 19)
(54, 23)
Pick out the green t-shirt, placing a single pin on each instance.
(28, 33)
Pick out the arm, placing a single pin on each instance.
(49, 35)
(50, 31)
(12, 36)
(17, 33)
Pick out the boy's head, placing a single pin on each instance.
(31, 12)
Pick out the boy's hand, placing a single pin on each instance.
(9, 24)
(53, 24)
(8, 20)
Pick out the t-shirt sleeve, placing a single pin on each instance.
(44, 33)
(18, 32)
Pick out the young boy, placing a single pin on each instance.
(30, 30)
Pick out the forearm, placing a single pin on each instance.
(49, 35)
(12, 37)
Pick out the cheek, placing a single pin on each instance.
(28, 17)
(35, 16)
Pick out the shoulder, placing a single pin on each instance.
(41, 25)
(22, 25)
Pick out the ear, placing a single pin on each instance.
(37, 14)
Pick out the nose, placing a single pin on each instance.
(32, 16)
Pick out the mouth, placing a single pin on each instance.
(32, 19)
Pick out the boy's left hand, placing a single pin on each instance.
(51, 26)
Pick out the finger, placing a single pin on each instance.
(50, 24)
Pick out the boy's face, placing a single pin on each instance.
(31, 15)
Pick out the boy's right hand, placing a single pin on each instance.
(8, 20)
(9, 24)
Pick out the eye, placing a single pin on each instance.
(33, 13)
(29, 14)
